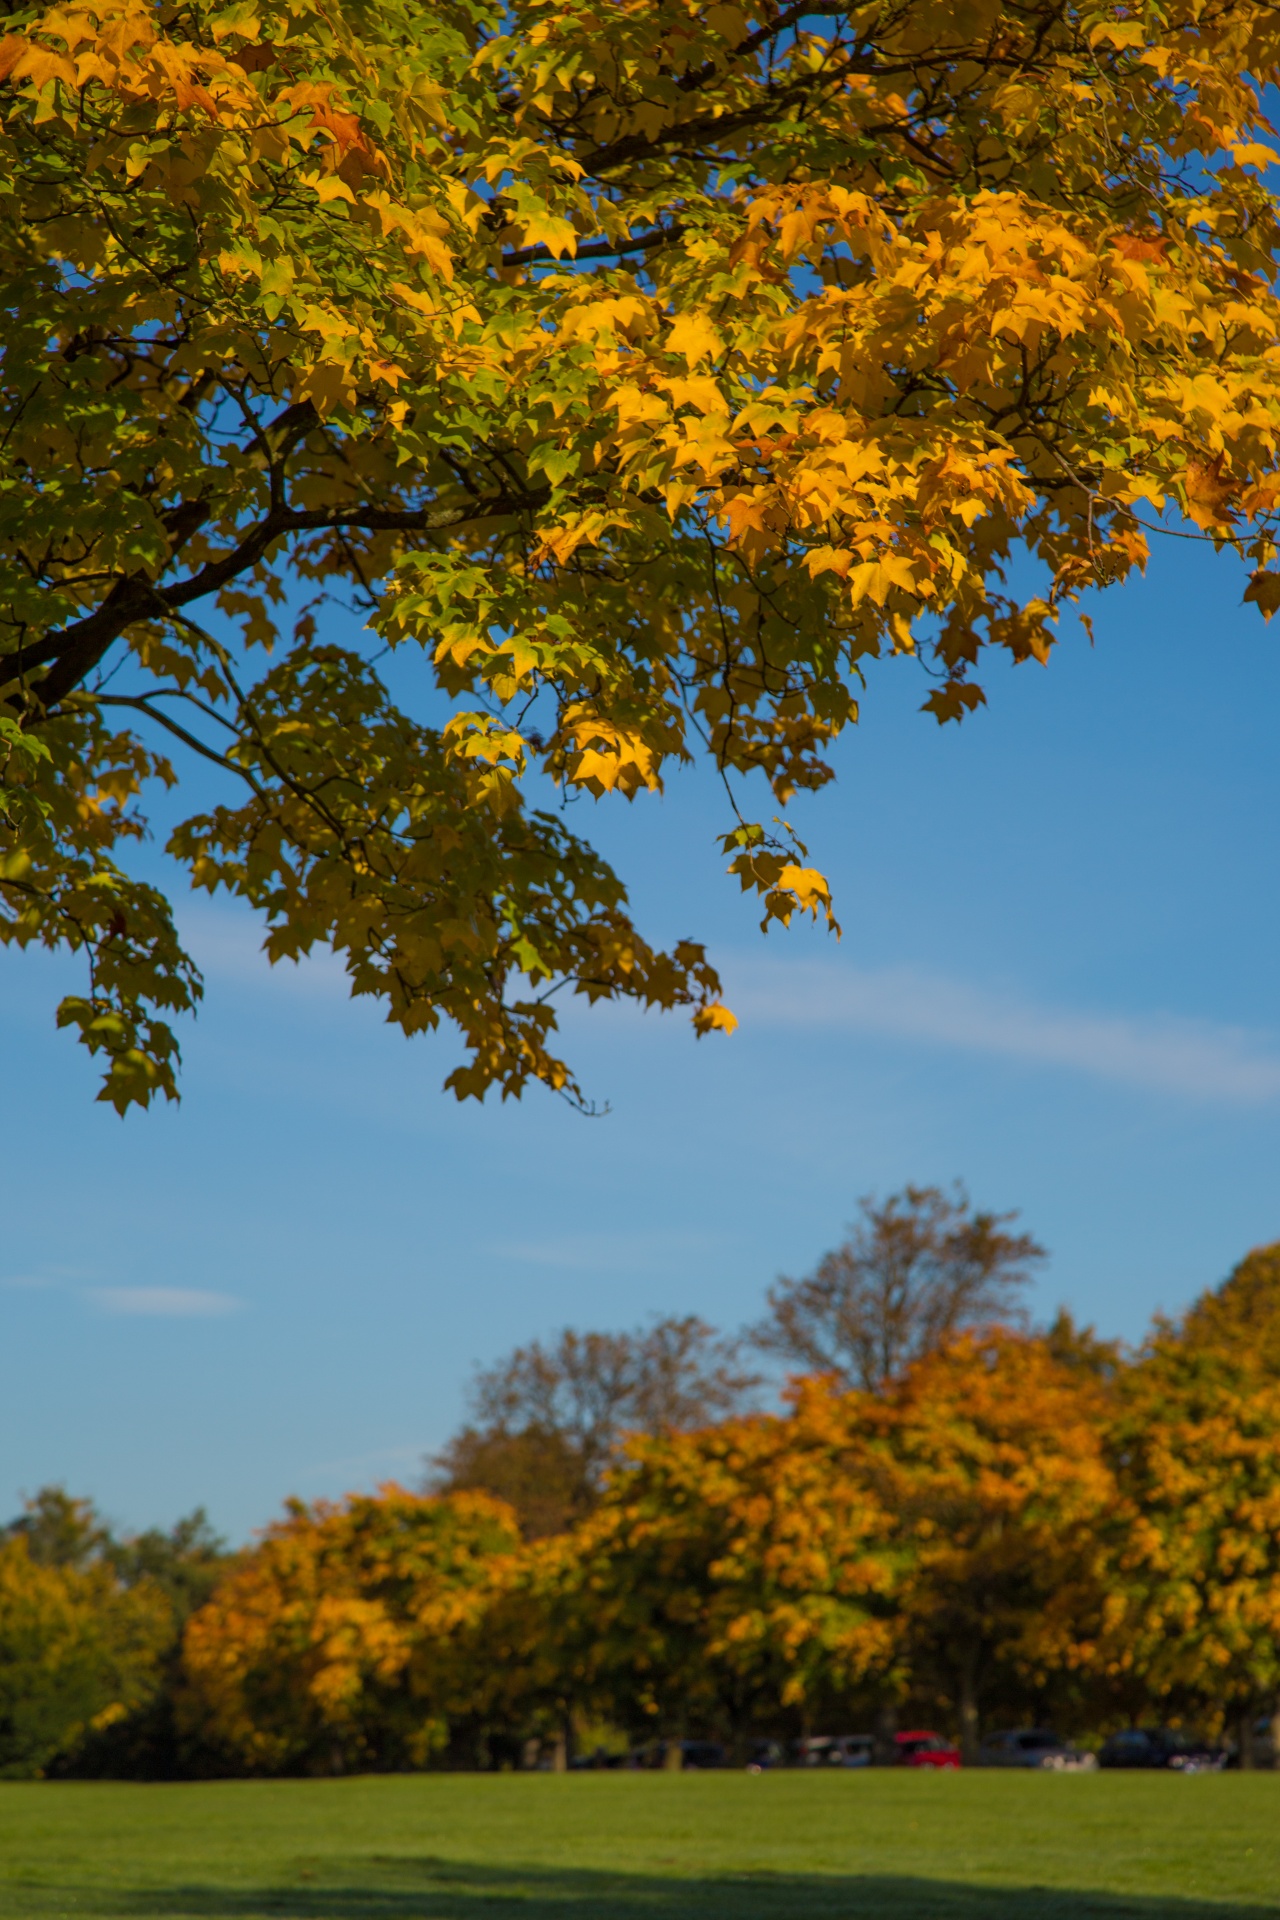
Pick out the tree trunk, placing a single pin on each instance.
(967, 1701)
(886, 1728)
(1244, 1737)
(673, 1757)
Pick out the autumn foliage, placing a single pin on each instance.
(1017, 1527)
(328, 1648)
(646, 373)
(1020, 1526)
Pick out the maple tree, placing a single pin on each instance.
(329, 1646)
(1195, 1573)
(642, 373)
(729, 1576)
(992, 1456)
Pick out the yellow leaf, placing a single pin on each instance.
(693, 335)
(715, 1018)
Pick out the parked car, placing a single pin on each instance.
(764, 1755)
(1161, 1747)
(594, 1761)
(835, 1750)
(695, 1755)
(1034, 1747)
(924, 1749)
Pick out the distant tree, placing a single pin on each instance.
(1082, 1349)
(917, 1270)
(329, 1646)
(546, 1421)
(1241, 1318)
(733, 1579)
(79, 1650)
(173, 1573)
(186, 1562)
(1196, 1576)
(60, 1530)
(992, 1456)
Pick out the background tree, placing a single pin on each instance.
(648, 385)
(917, 1269)
(327, 1647)
(1196, 1568)
(547, 1420)
(734, 1579)
(991, 1455)
(173, 1572)
(61, 1530)
(79, 1651)
(1241, 1318)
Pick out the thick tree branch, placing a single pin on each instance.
(76, 650)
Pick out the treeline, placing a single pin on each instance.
(957, 1520)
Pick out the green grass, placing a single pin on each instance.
(878, 1846)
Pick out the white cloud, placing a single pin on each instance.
(621, 1252)
(176, 1303)
(1162, 1054)
(226, 943)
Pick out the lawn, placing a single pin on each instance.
(879, 1846)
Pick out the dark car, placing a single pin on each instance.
(835, 1750)
(921, 1748)
(679, 1755)
(1034, 1747)
(1160, 1747)
(764, 1755)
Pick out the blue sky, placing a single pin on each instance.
(1058, 980)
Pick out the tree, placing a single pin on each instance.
(1241, 1318)
(172, 1572)
(1196, 1566)
(992, 1455)
(329, 1646)
(917, 1269)
(78, 1652)
(547, 1420)
(734, 1578)
(645, 385)
(60, 1530)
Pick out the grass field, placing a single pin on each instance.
(879, 1846)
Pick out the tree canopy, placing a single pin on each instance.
(917, 1270)
(547, 1420)
(644, 372)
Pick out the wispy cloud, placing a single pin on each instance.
(174, 1303)
(227, 944)
(621, 1252)
(1198, 1060)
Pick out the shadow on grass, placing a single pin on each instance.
(387, 1887)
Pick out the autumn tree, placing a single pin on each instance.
(992, 1456)
(171, 1572)
(80, 1651)
(647, 385)
(917, 1270)
(1241, 1318)
(1196, 1569)
(734, 1578)
(546, 1420)
(329, 1646)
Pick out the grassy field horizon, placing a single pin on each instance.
(880, 1846)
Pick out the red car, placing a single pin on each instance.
(922, 1749)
